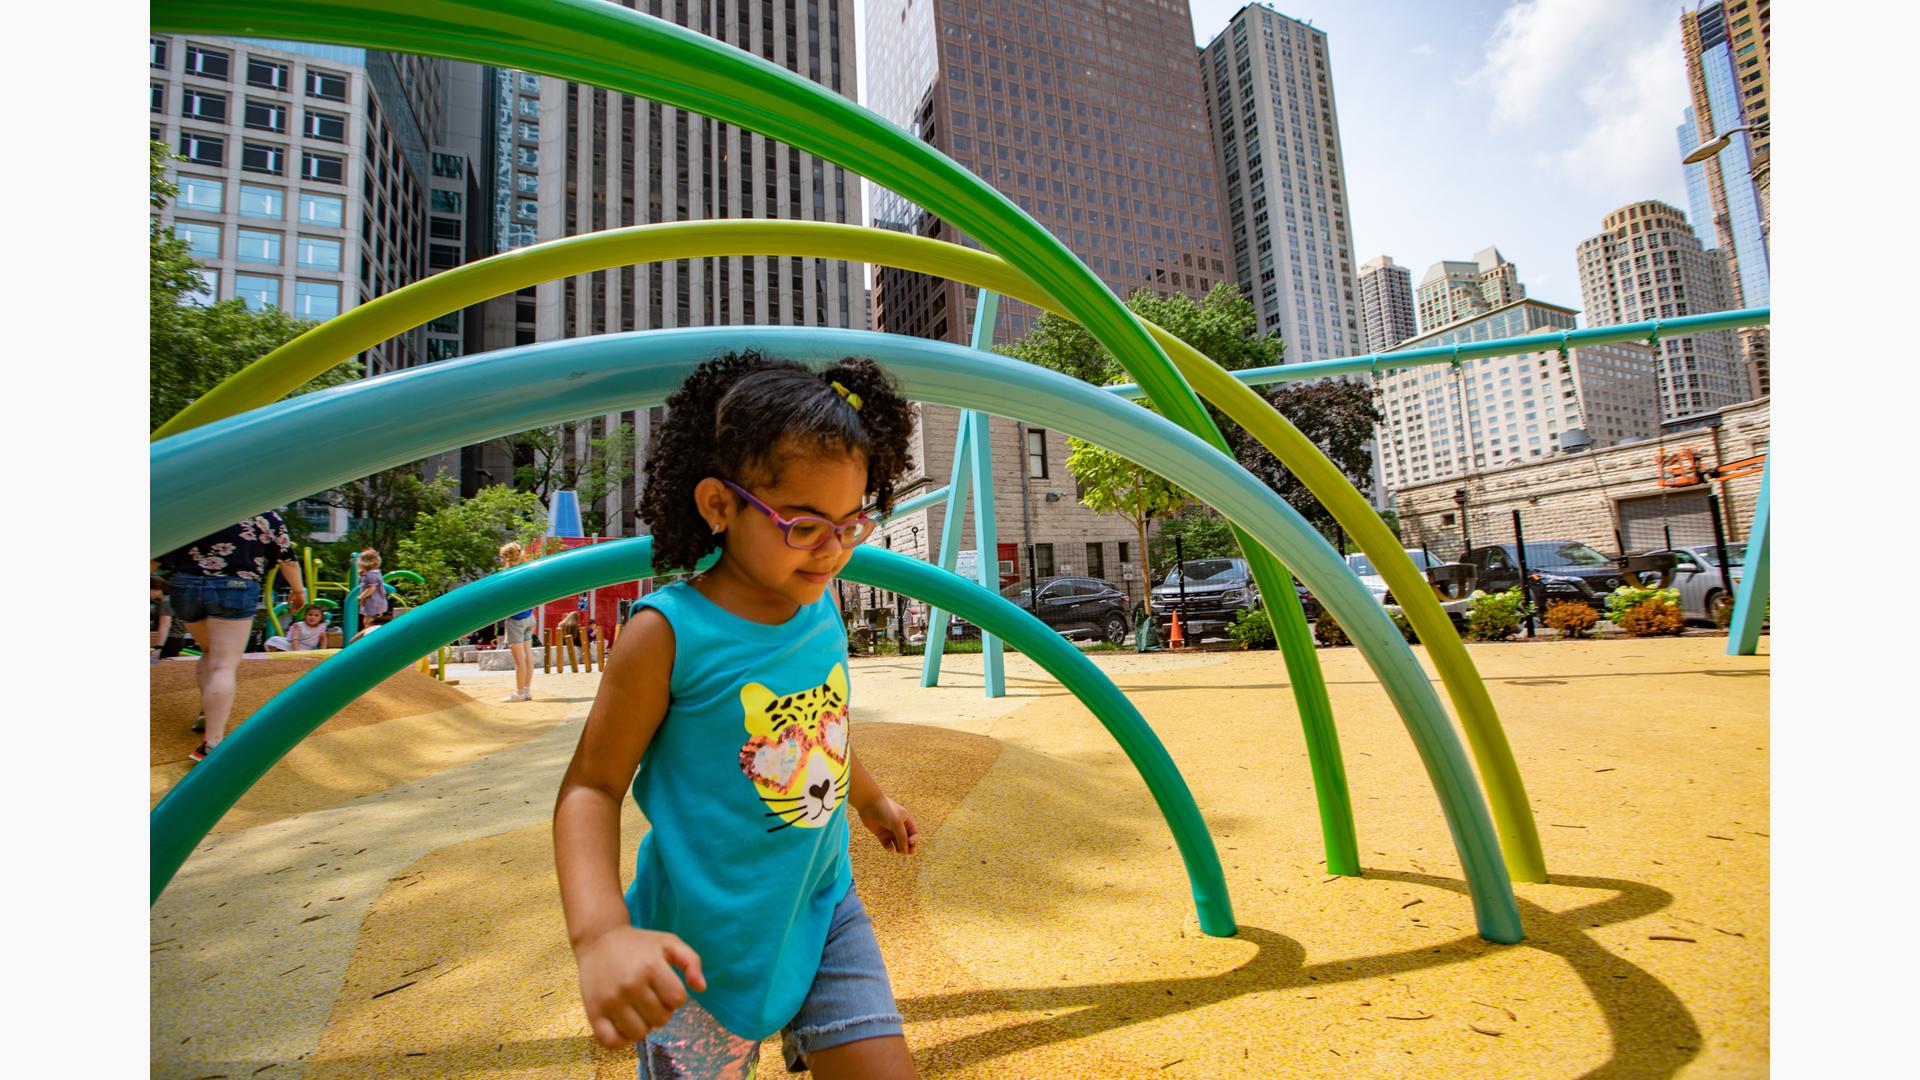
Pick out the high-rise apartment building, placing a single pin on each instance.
(1453, 290)
(1727, 44)
(1486, 414)
(587, 159)
(1386, 304)
(1276, 137)
(1649, 265)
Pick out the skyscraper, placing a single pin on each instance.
(1270, 98)
(1454, 290)
(1727, 46)
(1386, 303)
(1648, 265)
(604, 160)
(1089, 118)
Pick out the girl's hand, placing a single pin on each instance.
(890, 821)
(628, 985)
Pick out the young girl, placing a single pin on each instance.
(373, 588)
(729, 694)
(310, 632)
(519, 633)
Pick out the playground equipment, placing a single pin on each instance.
(625, 51)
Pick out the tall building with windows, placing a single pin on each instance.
(1386, 304)
(1727, 49)
(1488, 414)
(1649, 265)
(1455, 290)
(1090, 119)
(1288, 218)
(586, 159)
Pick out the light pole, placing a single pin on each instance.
(1757, 170)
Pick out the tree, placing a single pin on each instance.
(459, 542)
(543, 466)
(194, 348)
(1201, 533)
(1110, 484)
(1339, 415)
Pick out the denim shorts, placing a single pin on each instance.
(200, 596)
(519, 630)
(851, 1000)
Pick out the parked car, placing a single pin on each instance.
(1565, 569)
(1369, 575)
(1074, 606)
(1216, 591)
(1703, 587)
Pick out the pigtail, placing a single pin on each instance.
(888, 418)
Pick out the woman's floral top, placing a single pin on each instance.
(248, 550)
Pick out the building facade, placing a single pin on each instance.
(1453, 290)
(1490, 414)
(1648, 265)
(1287, 215)
(1386, 304)
(1090, 122)
(1727, 44)
(586, 159)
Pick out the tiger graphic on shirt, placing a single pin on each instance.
(796, 752)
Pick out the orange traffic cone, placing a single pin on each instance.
(1175, 639)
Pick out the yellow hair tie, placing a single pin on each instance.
(853, 399)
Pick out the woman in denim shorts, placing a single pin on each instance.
(216, 584)
(519, 636)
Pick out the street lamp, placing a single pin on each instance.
(1708, 149)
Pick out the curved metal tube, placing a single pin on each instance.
(517, 389)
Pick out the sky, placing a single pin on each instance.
(1519, 124)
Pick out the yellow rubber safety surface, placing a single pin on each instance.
(1045, 929)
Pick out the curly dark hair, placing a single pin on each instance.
(745, 416)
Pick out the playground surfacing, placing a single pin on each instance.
(411, 926)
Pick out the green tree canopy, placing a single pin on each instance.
(544, 465)
(459, 542)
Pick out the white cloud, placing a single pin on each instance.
(1425, 48)
(1542, 49)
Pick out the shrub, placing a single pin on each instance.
(1328, 632)
(1251, 629)
(1571, 618)
(1401, 623)
(1496, 616)
(1627, 597)
(1651, 617)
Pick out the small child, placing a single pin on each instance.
(310, 632)
(728, 692)
(373, 588)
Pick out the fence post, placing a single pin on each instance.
(1720, 548)
(1526, 576)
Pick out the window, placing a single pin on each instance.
(317, 253)
(208, 291)
(208, 63)
(527, 208)
(529, 83)
(258, 247)
(443, 256)
(159, 96)
(441, 228)
(321, 210)
(526, 183)
(444, 202)
(203, 105)
(316, 299)
(266, 116)
(262, 202)
(528, 157)
(327, 127)
(1043, 560)
(266, 74)
(156, 52)
(198, 192)
(450, 166)
(530, 108)
(203, 149)
(326, 167)
(1037, 453)
(256, 292)
(1096, 560)
(202, 240)
(324, 84)
(530, 132)
(1123, 553)
(263, 158)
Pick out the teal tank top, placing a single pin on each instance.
(745, 787)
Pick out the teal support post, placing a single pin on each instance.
(919, 502)
(986, 562)
(1750, 603)
(956, 489)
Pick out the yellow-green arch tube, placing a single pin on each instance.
(284, 370)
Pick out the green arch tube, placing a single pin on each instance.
(517, 389)
(285, 369)
(191, 809)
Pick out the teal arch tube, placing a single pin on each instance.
(1750, 600)
(191, 809)
(517, 389)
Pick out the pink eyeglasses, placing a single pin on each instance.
(807, 532)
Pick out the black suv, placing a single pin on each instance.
(1216, 590)
(1565, 570)
(1074, 606)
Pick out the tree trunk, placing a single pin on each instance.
(1146, 579)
